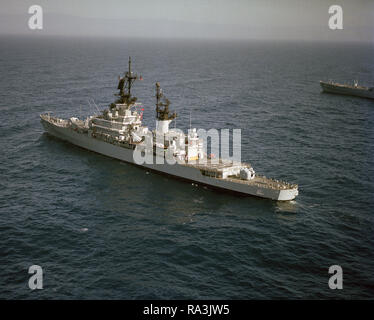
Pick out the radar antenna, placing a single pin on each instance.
(162, 107)
(124, 86)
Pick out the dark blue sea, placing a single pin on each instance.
(103, 229)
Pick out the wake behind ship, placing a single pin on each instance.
(118, 133)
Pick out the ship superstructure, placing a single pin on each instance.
(118, 132)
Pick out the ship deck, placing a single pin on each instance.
(345, 86)
(212, 165)
(263, 182)
(258, 180)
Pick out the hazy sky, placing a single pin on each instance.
(235, 19)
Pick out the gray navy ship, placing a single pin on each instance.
(118, 133)
(346, 89)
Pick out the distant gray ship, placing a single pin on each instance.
(351, 90)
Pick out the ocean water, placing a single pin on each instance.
(103, 229)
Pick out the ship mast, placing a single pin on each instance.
(130, 77)
(124, 86)
(162, 108)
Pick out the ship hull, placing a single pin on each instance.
(344, 90)
(188, 173)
